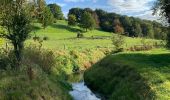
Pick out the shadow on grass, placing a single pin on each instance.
(64, 27)
(150, 60)
(118, 81)
(36, 28)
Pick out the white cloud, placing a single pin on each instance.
(138, 8)
(94, 1)
(61, 4)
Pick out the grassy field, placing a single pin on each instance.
(62, 36)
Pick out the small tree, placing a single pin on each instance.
(87, 21)
(72, 20)
(118, 41)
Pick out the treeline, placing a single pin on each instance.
(112, 22)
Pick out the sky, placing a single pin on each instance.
(136, 8)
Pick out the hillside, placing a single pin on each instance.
(61, 36)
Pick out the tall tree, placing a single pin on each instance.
(87, 21)
(77, 12)
(15, 22)
(46, 18)
(56, 11)
(117, 27)
(72, 20)
(127, 24)
(163, 6)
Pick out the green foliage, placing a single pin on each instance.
(72, 20)
(118, 41)
(133, 27)
(16, 24)
(162, 6)
(33, 76)
(44, 58)
(56, 11)
(87, 21)
(77, 12)
(46, 18)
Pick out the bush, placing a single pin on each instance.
(36, 38)
(118, 41)
(7, 59)
(43, 58)
(45, 38)
(80, 35)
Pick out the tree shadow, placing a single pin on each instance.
(35, 28)
(64, 27)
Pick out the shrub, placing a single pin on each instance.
(36, 38)
(45, 38)
(118, 41)
(43, 58)
(80, 35)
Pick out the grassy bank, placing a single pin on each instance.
(132, 75)
(33, 79)
(43, 73)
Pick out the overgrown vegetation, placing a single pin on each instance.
(34, 75)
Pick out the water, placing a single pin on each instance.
(82, 92)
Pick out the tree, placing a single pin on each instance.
(118, 41)
(15, 21)
(117, 27)
(56, 11)
(126, 23)
(137, 31)
(147, 30)
(77, 12)
(72, 20)
(87, 21)
(46, 17)
(163, 6)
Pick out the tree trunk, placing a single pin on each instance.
(18, 52)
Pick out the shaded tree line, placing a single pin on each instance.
(112, 22)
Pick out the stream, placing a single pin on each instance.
(80, 90)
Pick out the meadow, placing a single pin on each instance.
(145, 72)
(62, 36)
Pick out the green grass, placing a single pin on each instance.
(62, 36)
(131, 71)
(150, 69)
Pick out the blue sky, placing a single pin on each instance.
(136, 8)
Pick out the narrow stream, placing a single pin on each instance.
(80, 90)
